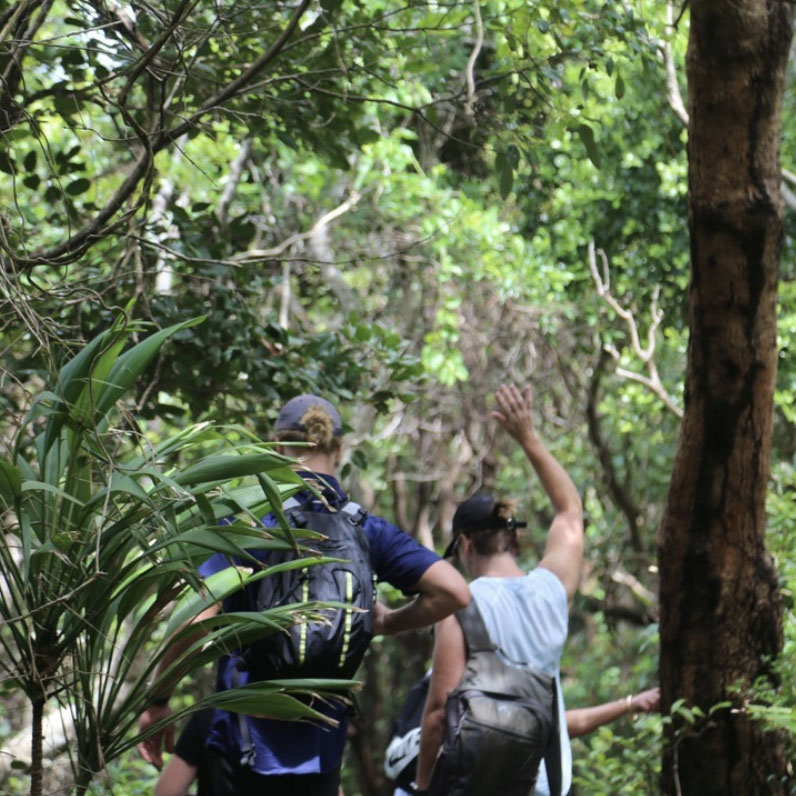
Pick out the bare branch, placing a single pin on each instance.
(672, 85)
(788, 196)
(10, 111)
(619, 493)
(272, 253)
(652, 380)
(285, 297)
(235, 174)
(639, 590)
(468, 73)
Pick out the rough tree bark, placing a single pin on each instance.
(720, 602)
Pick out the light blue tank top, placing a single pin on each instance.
(527, 619)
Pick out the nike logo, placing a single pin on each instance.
(401, 752)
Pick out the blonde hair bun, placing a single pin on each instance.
(319, 426)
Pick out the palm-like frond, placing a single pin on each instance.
(102, 536)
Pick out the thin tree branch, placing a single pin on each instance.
(184, 8)
(468, 73)
(274, 252)
(237, 85)
(235, 174)
(652, 381)
(618, 492)
(672, 85)
(10, 110)
(77, 244)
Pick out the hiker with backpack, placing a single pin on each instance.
(285, 758)
(400, 757)
(494, 712)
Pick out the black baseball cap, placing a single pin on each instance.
(476, 514)
(293, 411)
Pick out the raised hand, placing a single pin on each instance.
(514, 411)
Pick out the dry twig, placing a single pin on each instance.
(652, 380)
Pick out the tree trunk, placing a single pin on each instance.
(720, 602)
(36, 748)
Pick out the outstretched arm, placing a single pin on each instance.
(581, 721)
(442, 591)
(564, 551)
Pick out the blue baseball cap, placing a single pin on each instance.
(293, 411)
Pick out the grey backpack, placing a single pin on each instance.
(500, 723)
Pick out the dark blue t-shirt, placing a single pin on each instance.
(297, 747)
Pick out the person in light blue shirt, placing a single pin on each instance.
(525, 614)
(400, 757)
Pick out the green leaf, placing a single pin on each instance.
(78, 186)
(506, 181)
(10, 483)
(6, 164)
(331, 6)
(587, 136)
(232, 540)
(272, 493)
(71, 382)
(130, 365)
(81, 410)
(226, 467)
(359, 459)
(123, 484)
(30, 160)
(217, 587)
(512, 156)
(35, 486)
(280, 706)
(619, 86)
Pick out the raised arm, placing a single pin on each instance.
(442, 591)
(564, 551)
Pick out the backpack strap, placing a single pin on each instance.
(247, 752)
(474, 629)
(355, 512)
(552, 755)
(291, 503)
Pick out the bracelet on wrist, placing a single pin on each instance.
(628, 703)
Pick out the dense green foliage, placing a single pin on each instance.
(395, 210)
(101, 544)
